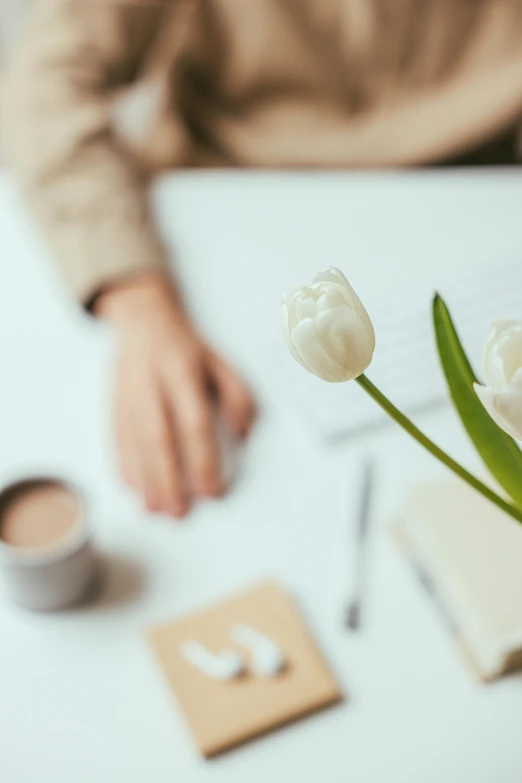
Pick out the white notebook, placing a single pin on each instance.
(405, 365)
(468, 554)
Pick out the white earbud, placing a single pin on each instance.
(267, 657)
(225, 665)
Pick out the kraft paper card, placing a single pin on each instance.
(222, 715)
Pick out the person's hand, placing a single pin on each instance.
(168, 384)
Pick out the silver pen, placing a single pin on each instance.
(360, 543)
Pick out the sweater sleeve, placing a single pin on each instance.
(88, 197)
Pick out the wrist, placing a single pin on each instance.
(136, 299)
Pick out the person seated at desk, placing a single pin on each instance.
(103, 94)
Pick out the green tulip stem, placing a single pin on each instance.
(446, 460)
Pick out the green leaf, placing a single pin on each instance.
(498, 450)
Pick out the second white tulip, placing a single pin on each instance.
(502, 394)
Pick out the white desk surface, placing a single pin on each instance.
(81, 698)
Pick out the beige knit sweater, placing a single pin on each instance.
(103, 93)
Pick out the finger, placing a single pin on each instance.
(193, 411)
(128, 455)
(235, 398)
(161, 469)
(127, 446)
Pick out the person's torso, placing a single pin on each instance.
(302, 83)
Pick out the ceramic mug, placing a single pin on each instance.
(48, 577)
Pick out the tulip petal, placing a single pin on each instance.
(502, 325)
(359, 308)
(333, 289)
(288, 301)
(330, 275)
(509, 349)
(346, 339)
(305, 308)
(285, 328)
(492, 361)
(516, 380)
(504, 407)
(334, 276)
(508, 403)
(330, 300)
(364, 318)
(313, 355)
(494, 374)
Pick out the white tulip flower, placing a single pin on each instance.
(330, 334)
(502, 394)
(327, 329)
